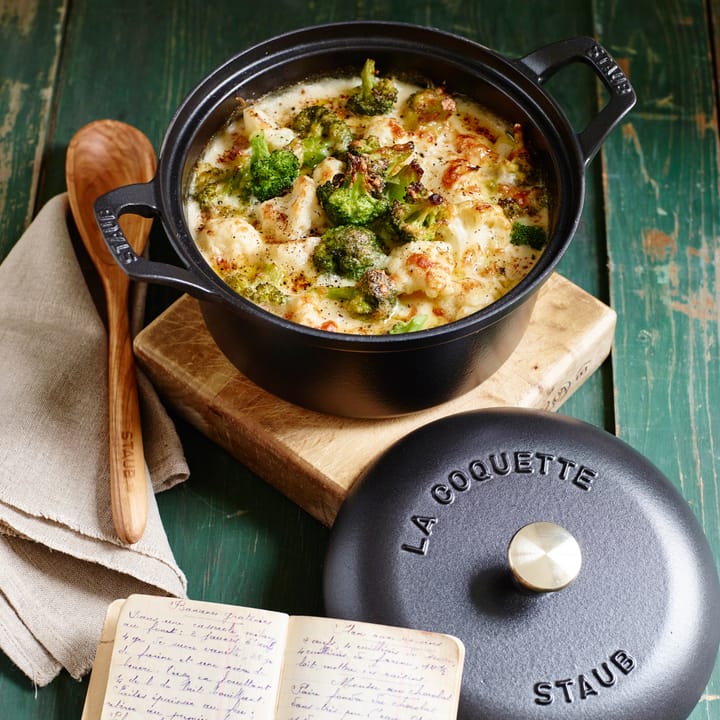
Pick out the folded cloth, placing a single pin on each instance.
(61, 562)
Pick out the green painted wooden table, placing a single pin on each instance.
(648, 242)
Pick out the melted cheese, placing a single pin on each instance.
(473, 160)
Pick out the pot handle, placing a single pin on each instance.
(140, 199)
(546, 61)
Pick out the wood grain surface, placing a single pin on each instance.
(663, 253)
(648, 242)
(102, 156)
(315, 459)
(31, 38)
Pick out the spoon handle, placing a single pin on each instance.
(128, 480)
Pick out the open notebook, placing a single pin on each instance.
(172, 658)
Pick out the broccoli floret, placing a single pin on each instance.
(364, 145)
(323, 133)
(259, 284)
(270, 173)
(416, 218)
(213, 183)
(520, 161)
(524, 203)
(267, 293)
(417, 322)
(531, 235)
(511, 207)
(352, 197)
(348, 251)
(407, 197)
(406, 183)
(375, 96)
(382, 161)
(429, 105)
(374, 296)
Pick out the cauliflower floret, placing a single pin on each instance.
(310, 309)
(229, 240)
(476, 149)
(476, 230)
(387, 130)
(488, 281)
(487, 263)
(294, 259)
(424, 266)
(462, 179)
(306, 310)
(293, 216)
(257, 121)
(478, 294)
(327, 169)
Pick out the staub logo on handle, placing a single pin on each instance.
(128, 454)
(610, 69)
(113, 233)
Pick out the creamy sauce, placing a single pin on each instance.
(475, 161)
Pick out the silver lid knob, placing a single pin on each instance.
(544, 557)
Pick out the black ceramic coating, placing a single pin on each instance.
(370, 376)
(422, 543)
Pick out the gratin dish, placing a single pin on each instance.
(380, 375)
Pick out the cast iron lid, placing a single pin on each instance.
(574, 572)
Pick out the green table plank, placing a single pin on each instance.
(30, 36)
(663, 227)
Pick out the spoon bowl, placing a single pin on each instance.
(103, 155)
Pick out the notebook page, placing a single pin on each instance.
(337, 669)
(191, 659)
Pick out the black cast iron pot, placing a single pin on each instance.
(370, 376)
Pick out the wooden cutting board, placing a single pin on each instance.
(315, 459)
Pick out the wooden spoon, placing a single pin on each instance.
(104, 155)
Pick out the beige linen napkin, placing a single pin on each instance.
(61, 563)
